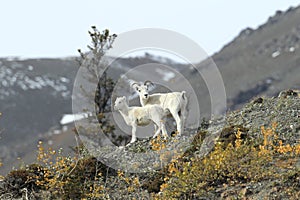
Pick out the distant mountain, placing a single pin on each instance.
(263, 61)
(33, 95)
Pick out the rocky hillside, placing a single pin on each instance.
(257, 156)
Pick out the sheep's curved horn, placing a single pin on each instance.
(133, 84)
(148, 83)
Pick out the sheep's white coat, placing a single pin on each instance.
(141, 116)
(173, 103)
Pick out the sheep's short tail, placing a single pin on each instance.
(184, 100)
(183, 95)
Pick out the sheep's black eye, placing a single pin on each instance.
(139, 90)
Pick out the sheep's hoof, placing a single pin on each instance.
(175, 133)
(130, 143)
(155, 136)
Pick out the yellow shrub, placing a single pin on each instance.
(242, 162)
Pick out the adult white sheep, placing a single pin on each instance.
(173, 103)
(141, 116)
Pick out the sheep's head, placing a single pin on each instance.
(142, 90)
(120, 102)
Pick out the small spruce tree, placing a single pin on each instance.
(101, 42)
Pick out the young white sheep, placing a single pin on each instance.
(141, 116)
(173, 103)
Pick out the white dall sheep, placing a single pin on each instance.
(173, 103)
(141, 116)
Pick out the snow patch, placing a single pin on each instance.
(64, 80)
(30, 67)
(11, 77)
(275, 54)
(292, 49)
(70, 118)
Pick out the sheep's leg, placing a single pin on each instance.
(157, 124)
(164, 131)
(161, 127)
(178, 121)
(155, 127)
(157, 132)
(133, 132)
(183, 113)
(158, 129)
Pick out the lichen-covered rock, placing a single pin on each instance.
(284, 110)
